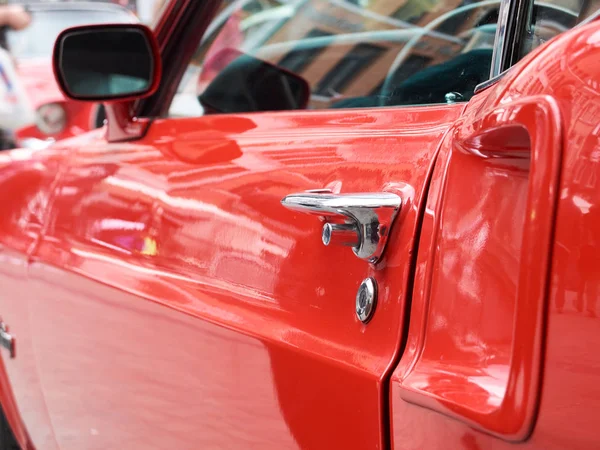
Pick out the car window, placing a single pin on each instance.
(351, 53)
(550, 18)
(37, 40)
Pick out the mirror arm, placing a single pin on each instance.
(121, 124)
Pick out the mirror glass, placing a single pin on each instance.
(105, 63)
(248, 84)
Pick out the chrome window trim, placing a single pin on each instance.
(519, 18)
(513, 18)
(482, 86)
(513, 22)
(500, 39)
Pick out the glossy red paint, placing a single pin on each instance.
(26, 182)
(20, 389)
(203, 268)
(475, 343)
(467, 361)
(38, 80)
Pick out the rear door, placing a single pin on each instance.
(178, 304)
(494, 355)
(26, 182)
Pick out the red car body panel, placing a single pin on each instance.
(492, 236)
(29, 182)
(202, 260)
(38, 79)
(478, 358)
(168, 300)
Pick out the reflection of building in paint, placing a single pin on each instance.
(346, 48)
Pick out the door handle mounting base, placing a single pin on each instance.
(360, 220)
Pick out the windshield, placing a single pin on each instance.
(37, 40)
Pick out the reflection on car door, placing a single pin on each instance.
(26, 183)
(492, 340)
(178, 304)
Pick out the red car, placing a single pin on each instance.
(57, 118)
(376, 228)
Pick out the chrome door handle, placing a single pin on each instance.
(361, 221)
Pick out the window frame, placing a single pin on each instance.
(512, 29)
(512, 22)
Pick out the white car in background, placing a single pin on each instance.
(56, 117)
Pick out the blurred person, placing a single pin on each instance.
(131, 6)
(12, 17)
(15, 108)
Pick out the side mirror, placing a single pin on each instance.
(107, 62)
(247, 84)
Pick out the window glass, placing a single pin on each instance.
(350, 53)
(552, 17)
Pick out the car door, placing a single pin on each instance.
(175, 302)
(193, 309)
(494, 356)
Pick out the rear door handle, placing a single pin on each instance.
(361, 221)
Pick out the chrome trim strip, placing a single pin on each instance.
(486, 84)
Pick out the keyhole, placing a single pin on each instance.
(362, 302)
(366, 296)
